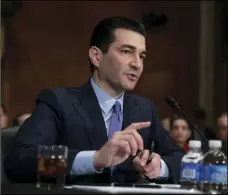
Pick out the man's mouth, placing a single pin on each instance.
(132, 76)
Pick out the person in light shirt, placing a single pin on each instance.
(108, 130)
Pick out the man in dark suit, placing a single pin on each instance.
(101, 123)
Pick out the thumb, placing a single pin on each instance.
(144, 157)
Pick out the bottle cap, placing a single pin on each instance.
(194, 143)
(215, 143)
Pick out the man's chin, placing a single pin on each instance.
(129, 87)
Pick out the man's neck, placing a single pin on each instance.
(107, 88)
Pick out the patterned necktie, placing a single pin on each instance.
(115, 125)
(116, 120)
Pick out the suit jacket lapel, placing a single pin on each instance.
(86, 104)
(129, 111)
(90, 112)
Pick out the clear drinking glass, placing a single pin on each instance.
(52, 166)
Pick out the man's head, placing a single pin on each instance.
(222, 127)
(117, 50)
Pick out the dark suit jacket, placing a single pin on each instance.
(72, 117)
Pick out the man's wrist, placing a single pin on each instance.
(96, 162)
(83, 163)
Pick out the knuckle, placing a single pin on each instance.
(113, 141)
(126, 130)
(144, 158)
(145, 154)
(135, 133)
(131, 138)
(127, 149)
(116, 135)
(134, 146)
(132, 132)
(151, 176)
(136, 160)
(133, 125)
(155, 155)
(148, 175)
(125, 143)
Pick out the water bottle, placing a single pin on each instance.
(214, 169)
(191, 167)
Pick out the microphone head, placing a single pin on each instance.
(172, 102)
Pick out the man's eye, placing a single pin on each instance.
(126, 52)
(142, 57)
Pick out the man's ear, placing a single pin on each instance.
(95, 55)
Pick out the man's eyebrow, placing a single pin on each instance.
(131, 47)
(128, 46)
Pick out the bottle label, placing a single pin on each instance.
(215, 173)
(190, 171)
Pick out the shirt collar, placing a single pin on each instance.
(106, 101)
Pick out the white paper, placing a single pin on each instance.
(114, 190)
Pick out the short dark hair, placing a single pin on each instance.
(175, 118)
(103, 33)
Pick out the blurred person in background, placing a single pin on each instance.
(180, 132)
(3, 117)
(221, 132)
(20, 118)
(166, 123)
(222, 127)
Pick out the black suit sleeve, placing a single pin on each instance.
(166, 148)
(43, 127)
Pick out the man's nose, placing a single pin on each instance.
(179, 130)
(136, 62)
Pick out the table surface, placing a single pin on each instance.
(81, 189)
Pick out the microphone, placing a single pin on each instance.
(173, 103)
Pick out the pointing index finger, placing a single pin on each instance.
(140, 125)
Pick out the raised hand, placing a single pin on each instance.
(120, 146)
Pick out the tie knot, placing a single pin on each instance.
(116, 107)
